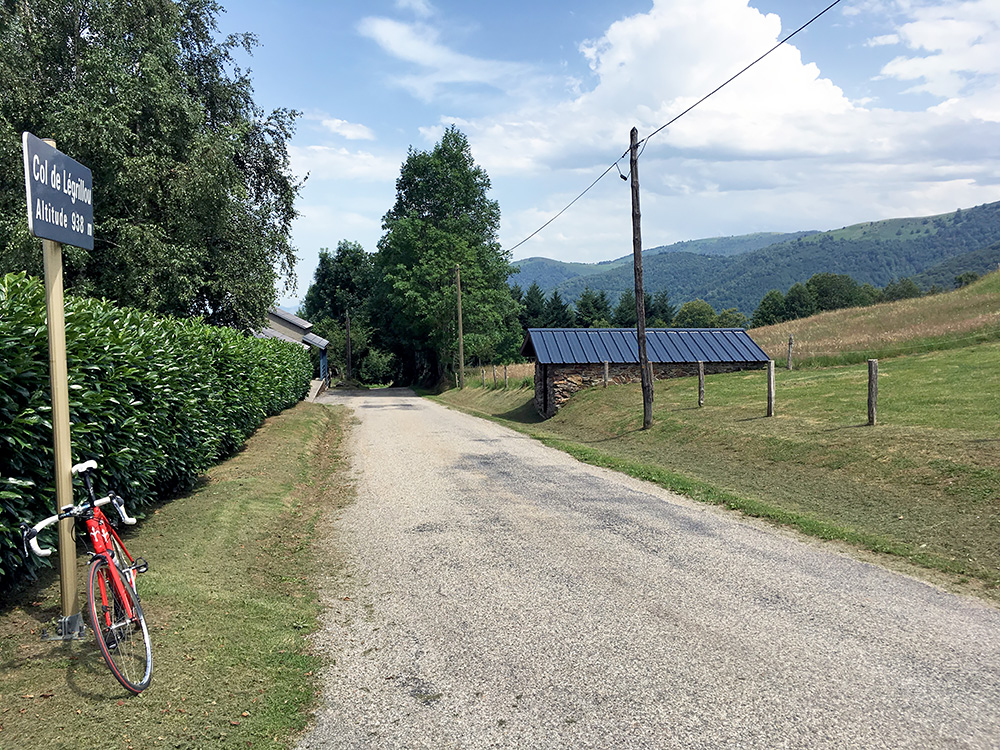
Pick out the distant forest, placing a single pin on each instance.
(736, 272)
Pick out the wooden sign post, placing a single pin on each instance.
(60, 209)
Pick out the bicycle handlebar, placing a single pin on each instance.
(31, 533)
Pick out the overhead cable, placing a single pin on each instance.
(645, 140)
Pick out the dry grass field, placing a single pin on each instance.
(943, 321)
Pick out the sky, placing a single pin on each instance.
(879, 109)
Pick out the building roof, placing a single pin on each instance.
(620, 345)
(318, 341)
(286, 316)
(270, 333)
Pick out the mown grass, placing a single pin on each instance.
(957, 319)
(923, 485)
(230, 599)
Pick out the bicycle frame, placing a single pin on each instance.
(106, 543)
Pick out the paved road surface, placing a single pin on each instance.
(497, 593)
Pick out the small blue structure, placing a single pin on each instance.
(569, 359)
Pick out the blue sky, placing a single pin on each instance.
(881, 108)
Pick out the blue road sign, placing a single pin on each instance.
(60, 195)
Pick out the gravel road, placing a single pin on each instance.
(496, 593)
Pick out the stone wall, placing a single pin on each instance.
(555, 383)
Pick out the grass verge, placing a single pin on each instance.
(230, 600)
(923, 486)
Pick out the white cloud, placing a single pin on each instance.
(884, 40)
(420, 8)
(334, 163)
(440, 66)
(349, 130)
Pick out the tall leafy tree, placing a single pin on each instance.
(771, 309)
(834, 291)
(443, 217)
(342, 282)
(799, 302)
(193, 194)
(695, 314)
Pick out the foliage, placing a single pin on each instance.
(870, 253)
(771, 309)
(899, 289)
(799, 302)
(964, 279)
(730, 318)
(442, 217)
(193, 196)
(660, 313)
(342, 283)
(533, 312)
(695, 314)
(592, 307)
(558, 314)
(154, 400)
(834, 291)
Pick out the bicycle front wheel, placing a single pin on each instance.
(119, 626)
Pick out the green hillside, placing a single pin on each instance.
(873, 252)
(942, 275)
(726, 246)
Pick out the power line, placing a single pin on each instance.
(645, 140)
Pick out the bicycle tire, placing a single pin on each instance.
(124, 643)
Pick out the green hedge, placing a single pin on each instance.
(154, 400)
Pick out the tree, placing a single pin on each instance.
(731, 317)
(771, 310)
(695, 314)
(533, 315)
(964, 279)
(624, 315)
(194, 198)
(835, 291)
(443, 217)
(660, 312)
(558, 313)
(342, 283)
(900, 289)
(592, 307)
(799, 302)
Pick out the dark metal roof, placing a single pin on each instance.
(620, 345)
(318, 341)
(288, 317)
(270, 333)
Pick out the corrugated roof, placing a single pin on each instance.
(318, 341)
(270, 333)
(286, 316)
(620, 345)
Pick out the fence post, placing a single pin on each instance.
(505, 377)
(872, 391)
(701, 384)
(484, 377)
(494, 377)
(770, 388)
(605, 374)
(791, 341)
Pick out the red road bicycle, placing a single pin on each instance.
(112, 603)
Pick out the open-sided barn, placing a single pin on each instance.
(569, 359)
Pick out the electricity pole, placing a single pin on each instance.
(461, 342)
(640, 296)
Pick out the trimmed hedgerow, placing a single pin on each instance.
(154, 400)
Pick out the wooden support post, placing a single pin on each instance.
(505, 377)
(484, 377)
(605, 374)
(640, 298)
(770, 388)
(701, 384)
(59, 382)
(494, 376)
(872, 391)
(791, 341)
(348, 316)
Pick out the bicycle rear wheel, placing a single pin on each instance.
(123, 640)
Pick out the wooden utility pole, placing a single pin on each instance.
(348, 314)
(461, 342)
(640, 296)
